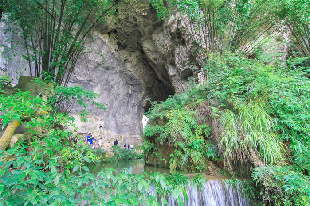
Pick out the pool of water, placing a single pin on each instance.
(139, 166)
(134, 166)
(214, 192)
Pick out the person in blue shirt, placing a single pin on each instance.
(90, 139)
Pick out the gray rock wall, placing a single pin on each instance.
(12, 63)
(127, 62)
(132, 58)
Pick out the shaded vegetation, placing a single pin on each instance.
(252, 107)
(263, 116)
(121, 154)
(54, 32)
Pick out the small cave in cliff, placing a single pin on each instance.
(162, 95)
(157, 90)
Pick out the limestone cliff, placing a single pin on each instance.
(130, 59)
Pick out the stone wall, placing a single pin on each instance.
(12, 63)
(129, 60)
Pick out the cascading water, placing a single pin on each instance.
(213, 193)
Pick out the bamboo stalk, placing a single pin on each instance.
(27, 52)
(7, 135)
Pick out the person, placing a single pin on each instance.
(115, 142)
(100, 143)
(128, 146)
(131, 146)
(109, 145)
(105, 145)
(125, 146)
(90, 139)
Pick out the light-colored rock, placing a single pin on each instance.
(12, 63)
(16, 138)
(132, 58)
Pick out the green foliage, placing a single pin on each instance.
(147, 146)
(180, 130)
(226, 25)
(76, 157)
(121, 154)
(250, 132)
(35, 178)
(54, 32)
(246, 187)
(295, 14)
(282, 185)
(264, 105)
(37, 165)
(21, 105)
(264, 115)
(100, 152)
(282, 93)
(63, 99)
(36, 171)
(162, 11)
(4, 81)
(49, 170)
(289, 104)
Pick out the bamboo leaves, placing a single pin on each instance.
(54, 32)
(234, 25)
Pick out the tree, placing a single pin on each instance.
(22, 107)
(235, 25)
(296, 14)
(54, 32)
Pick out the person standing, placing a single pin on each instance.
(116, 142)
(100, 143)
(90, 140)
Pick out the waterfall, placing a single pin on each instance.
(213, 193)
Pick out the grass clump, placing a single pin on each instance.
(249, 134)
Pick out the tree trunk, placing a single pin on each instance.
(7, 135)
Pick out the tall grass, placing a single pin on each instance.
(248, 133)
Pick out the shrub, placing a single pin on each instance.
(282, 185)
(181, 131)
(121, 154)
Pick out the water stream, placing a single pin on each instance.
(214, 192)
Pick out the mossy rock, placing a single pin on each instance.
(16, 138)
(28, 83)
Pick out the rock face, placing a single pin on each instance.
(129, 61)
(12, 63)
(132, 58)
